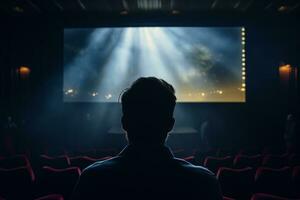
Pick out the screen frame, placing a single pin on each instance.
(156, 21)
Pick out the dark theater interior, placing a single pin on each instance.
(67, 66)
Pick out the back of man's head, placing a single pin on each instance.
(148, 107)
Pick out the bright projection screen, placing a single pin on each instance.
(204, 64)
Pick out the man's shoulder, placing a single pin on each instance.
(194, 169)
(103, 165)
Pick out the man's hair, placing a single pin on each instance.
(147, 106)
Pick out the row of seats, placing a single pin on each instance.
(241, 183)
(241, 161)
(235, 183)
(21, 182)
(62, 161)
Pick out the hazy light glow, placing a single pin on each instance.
(195, 60)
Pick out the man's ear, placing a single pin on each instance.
(171, 124)
(124, 123)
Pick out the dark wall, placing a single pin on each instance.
(37, 105)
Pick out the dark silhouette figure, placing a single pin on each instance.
(146, 169)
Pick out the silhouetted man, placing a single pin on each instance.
(146, 169)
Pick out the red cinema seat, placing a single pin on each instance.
(242, 161)
(214, 163)
(62, 161)
(84, 161)
(236, 183)
(16, 183)
(263, 196)
(14, 161)
(273, 181)
(275, 161)
(227, 198)
(296, 181)
(51, 197)
(58, 181)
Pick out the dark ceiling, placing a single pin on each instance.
(129, 7)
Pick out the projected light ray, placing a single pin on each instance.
(81, 65)
(175, 58)
(117, 67)
(112, 58)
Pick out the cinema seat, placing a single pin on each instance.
(58, 181)
(51, 197)
(273, 181)
(296, 181)
(16, 183)
(236, 183)
(263, 196)
(189, 159)
(275, 161)
(84, 161)
(227, 198)
(62, 161)
(14, 161)
(242, 161)
(214, 163)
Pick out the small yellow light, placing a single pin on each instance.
(243, 29)
(243, 69)
(243, 33)
(203, 94)
(243, 42)
(243, 59)
(70, 91)
(124, 12)
(175, 12)
(243, 55)
(243, 77)
(243, 89)
(243, 50)
(243, 73)
(243, 38)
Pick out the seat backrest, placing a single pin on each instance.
(242, 161)
(236, 183)
(14, 161)
(275, 161)
(16, 183)
(84, 161)
(296, 181)
(51, 197)
(58, 181)
(62, 161)
(227, 198)
(273, 181)
(263, 196)
(214, 163)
